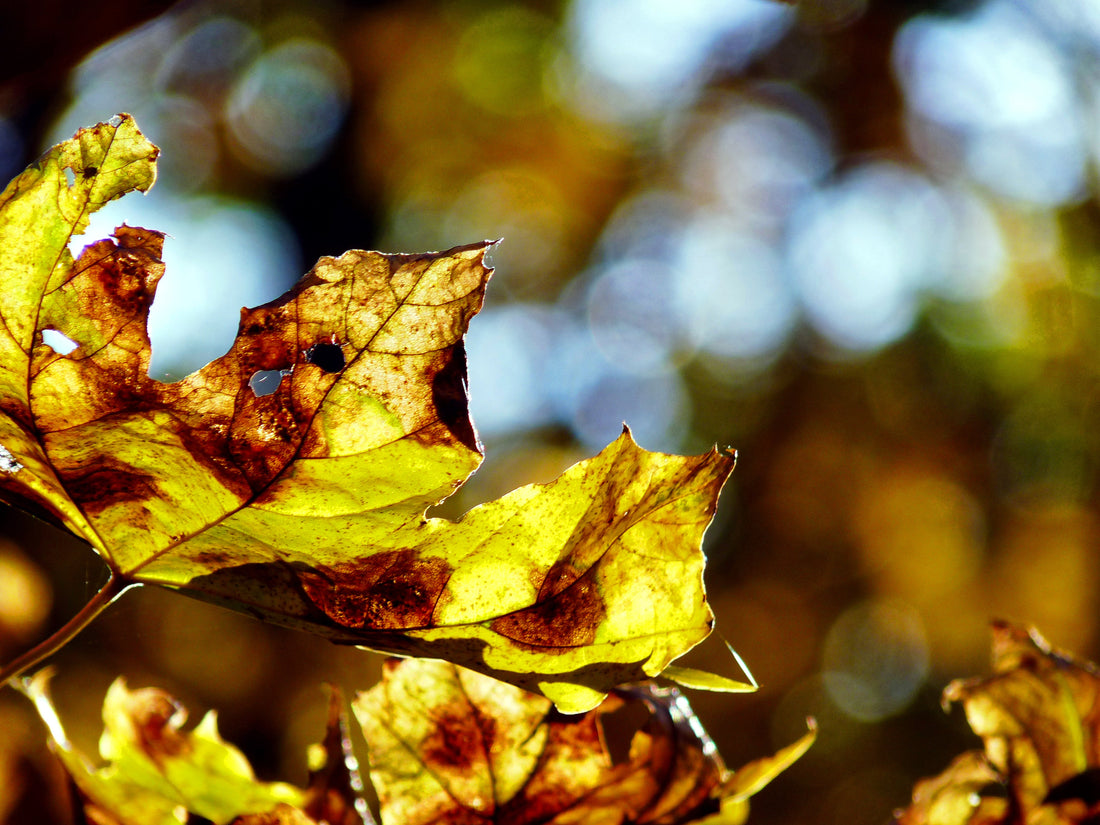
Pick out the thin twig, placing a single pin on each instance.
(114, 587)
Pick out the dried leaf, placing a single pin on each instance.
(334, 793)
(1039, 719)
(958, 795)
(155, 769)
(305, 505)
(448, 745)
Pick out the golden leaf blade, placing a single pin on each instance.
(154, 768)
(449, 745)
(305, 505)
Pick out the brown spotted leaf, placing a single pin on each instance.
(447, 745)
(305, 504)
(154, 767)
(1039, 719)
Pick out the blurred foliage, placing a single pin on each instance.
(1037, 718)
(854, 239)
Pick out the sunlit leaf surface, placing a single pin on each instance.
(449, 745)
(1039, 719)
(290, 477)
(154, 769)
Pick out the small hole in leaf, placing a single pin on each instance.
(8, 464)
(70, 177)
(58, 342)
(265, 382)
(328, 357)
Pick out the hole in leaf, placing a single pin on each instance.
(328, 357)
(265, 382)
(70, 177)
(8, 463)
(58, 341)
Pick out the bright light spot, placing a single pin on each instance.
(630, 319)
(220, 255)
(8, 462)
(648, 51)
(25, 593)
(757, 161)
(974, 246)
(266, 382)
(209, 55)
(861, 250)
(508, 351)
(288, 106)
(531, 366)
(645, 226)
(1045, 166)
(58, 342)
(519, 205)
(657, 408)
(875, 659)
(1005, 92)
(730, 291)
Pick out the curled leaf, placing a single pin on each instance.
(449, 745)
(334, 792)
(703, 680)
(1039, 719)
(301, 500)
(154, 768)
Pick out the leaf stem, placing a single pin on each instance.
(114, 587)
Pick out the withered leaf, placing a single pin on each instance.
(1039, 719)
(305, 504)
(334, 791)
(154, 768)
(448, 745)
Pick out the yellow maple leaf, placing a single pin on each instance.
(305, 503)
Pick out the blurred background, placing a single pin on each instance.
(857, 240)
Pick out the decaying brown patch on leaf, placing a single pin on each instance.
(570, 617)
(1039, 719)
(448, 746)
(290, 478)
(390, 590)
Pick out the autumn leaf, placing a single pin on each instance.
(448, 745)
(333, 794)
(304, 504)
(154, 768)
(1039, 719)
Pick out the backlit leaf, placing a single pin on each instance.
(155, 769)
(304, 503)
(448, 745)
(1039, 719)
(333, 794)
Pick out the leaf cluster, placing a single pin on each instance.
(446, 745)
(1038, 716)
(290, 479)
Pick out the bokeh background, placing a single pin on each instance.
(858, 240)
